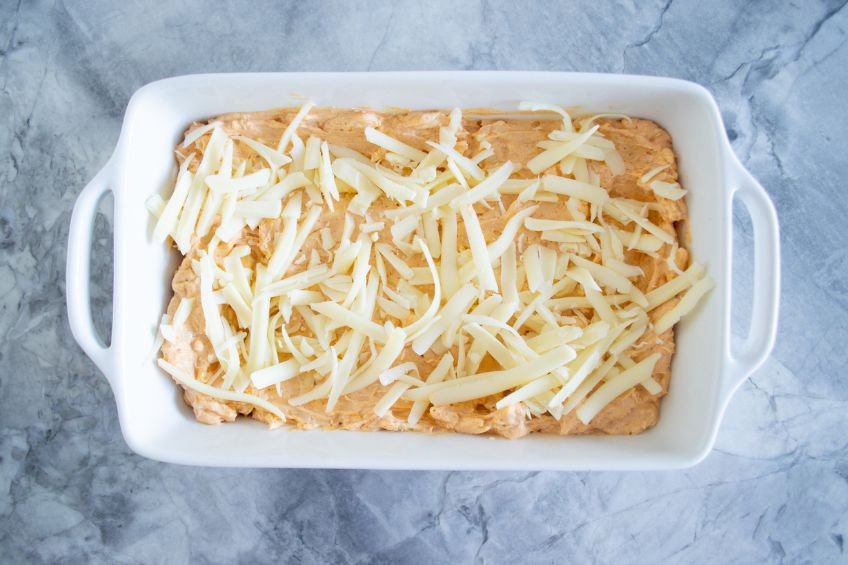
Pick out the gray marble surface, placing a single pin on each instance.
(776, 487)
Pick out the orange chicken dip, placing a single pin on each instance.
(426, 270)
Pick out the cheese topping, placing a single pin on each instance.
(542, 313)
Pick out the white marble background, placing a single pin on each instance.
(776, 487)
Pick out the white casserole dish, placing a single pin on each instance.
(157, 424)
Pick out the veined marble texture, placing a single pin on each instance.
(775, 489)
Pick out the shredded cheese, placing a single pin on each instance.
(576, 189)
(464, 164)
(395, 146)
(328, 179)
(189, 381)
(687, 304)
(168, 219)
(275, 159)
(670, 190)
(551, 302)
(652, 173)
(610, 390)
(486, 188)
(293, 125)
(199, 132)
(550, 157)
(542, 107)
(485, 384)
(451, 311)
(274, 374)
(479, 253)
(392, 348)
(675, 286)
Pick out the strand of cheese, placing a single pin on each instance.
(486, 384)
(387, 355)
(543, 107)
(486, 188)
(452, 310)
(479, 252)
(576, 189)
(687, 304)
(275, 159)
(389, 143)
(437, 375)
(550, 157)
(199, 132)
(291, 129)
(675, 286)
(190, 382)
(184, 232)
(610, 390)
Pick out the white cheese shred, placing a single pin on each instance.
(480, 256)
(617, 385)
(189, 381)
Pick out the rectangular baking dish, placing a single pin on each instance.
(156, 423)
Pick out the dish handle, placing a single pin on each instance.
(78, 268)
(755, 348)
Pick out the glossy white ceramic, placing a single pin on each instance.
(157, 424)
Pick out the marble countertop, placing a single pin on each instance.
(774, 489)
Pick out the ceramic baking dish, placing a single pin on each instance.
(157, 424)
